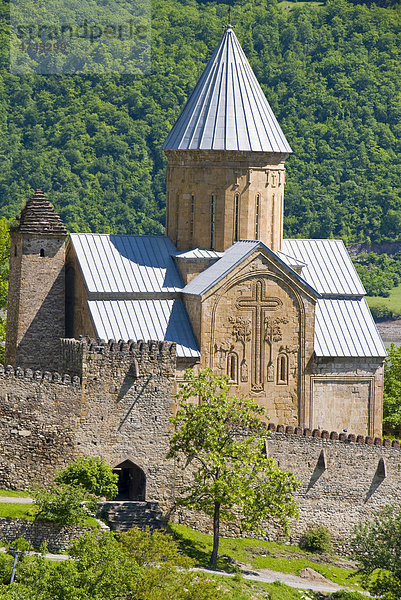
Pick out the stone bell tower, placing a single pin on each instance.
(226, 153)
(36, 296)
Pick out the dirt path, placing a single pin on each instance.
(16, 500)
(294, 581)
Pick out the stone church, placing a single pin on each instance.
(285, 319)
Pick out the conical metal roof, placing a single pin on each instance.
(227, 109)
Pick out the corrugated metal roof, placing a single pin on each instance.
(290, 260)
(145, 320)
(127, 263)
(199, 253)
(227, 110)
(210, 276)
(345, 327)
(233, 256)
(329, 268)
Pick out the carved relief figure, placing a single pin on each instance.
(272, 334)
(221, 352)
(242, 333)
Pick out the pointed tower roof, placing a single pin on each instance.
(38, 216)
(227, 109)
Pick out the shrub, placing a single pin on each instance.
(93, 474)
(316, 539)
(6, 566)
(65, 505)
(149, 548)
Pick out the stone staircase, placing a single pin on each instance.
(122, 515)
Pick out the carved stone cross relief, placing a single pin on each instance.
(259, 304)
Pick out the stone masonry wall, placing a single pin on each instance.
(346, 479)
(248, 191)
(126, 406)
(346, 394)
(249, 344)
(58, 538)
(115, 402)
(343, 482)
(39, 414)
(36, 304)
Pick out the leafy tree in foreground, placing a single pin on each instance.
(376, 547)
(392, 386)
(93, 474)
(105, 567)
(223, 438)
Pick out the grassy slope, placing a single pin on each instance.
(240, 589)
(393, 302)
(13, 494)
(16, 511)
(26, 511)
(260, 555)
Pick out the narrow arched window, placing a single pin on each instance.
(282, 369)
(257, 217)
(15, 250)
(42, 252)
(236, 217)
(212, 220)
(232, 367)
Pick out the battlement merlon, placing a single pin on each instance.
(86, 356)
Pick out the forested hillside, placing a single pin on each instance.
(332, 75)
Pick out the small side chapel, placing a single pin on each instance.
(285, 319)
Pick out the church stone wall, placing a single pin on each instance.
(347, 394)
(257, 327)
(78, 320)
(248, 193)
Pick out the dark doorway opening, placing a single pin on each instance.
(131, 481)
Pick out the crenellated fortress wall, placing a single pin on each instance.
(346, 479)
(113, 400)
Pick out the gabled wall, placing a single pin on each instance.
(230, 328)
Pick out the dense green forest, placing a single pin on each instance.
(332, 74)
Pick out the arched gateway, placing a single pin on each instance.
(131, 481)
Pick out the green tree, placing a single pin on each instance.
(376, 547)
(222, 438)
(93, 474)
(105, 568)
(392, 386)
(64, 504)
